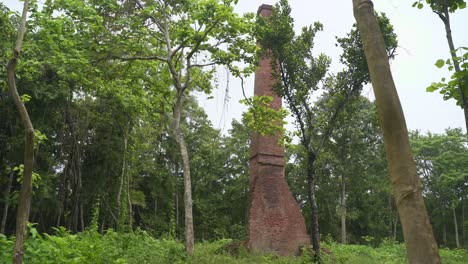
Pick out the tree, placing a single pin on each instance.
(193, 35)
(420, 242)
(355, 150)
(441, 161)
(353, 145)
(7, 143)
(457, 87)
(26, 187)
(300, 74)
(291, 55)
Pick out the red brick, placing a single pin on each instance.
(276, 224)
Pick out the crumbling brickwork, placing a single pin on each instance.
(275, 221)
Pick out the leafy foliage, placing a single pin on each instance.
(353, 50)
(441, 5)
(101, 99)
(450, 89)
(138, 247)
(263, 119)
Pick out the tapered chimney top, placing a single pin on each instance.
(265, 10)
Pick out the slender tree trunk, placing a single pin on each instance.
(455, 224)
(7, 203)
(417, 230)
(25, 195)
(75, 214)
(390, 213)
(82, 216)
(189, 234)
(130, 208)
(122, 177)
(343, 209)
(444, 230)
(62, 194)
(456, 64)
(395, 227)
(463, 223)
(80, 190)
(103, 226)
(177, 210)
(314, 232)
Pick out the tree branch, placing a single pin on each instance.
(144, 58)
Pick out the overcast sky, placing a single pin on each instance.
(421, 39)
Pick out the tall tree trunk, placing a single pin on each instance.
(463, 223)
(73, 167)
(79, 208)
(395, 227)
(82, 216)
(7, 203)
(343, 209)
(25, 195)
(179, 137)
(445, 17)
(176, 211)
(129, 201)
(122, 178)
(62, 196)
(314, 230)
(103, 225)
(390, 213)
(455, 224)
(417, 230)
(444, 230)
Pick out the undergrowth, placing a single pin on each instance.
(139, 248)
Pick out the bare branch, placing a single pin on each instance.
(145, 58)
(203, 65)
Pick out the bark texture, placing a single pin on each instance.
(179, 137)
(25, 195)
(417, 231)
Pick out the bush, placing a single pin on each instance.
(91, 247)
(140, 248)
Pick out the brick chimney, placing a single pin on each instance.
(276, 224)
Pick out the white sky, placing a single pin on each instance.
(421, 38)
(422, 41)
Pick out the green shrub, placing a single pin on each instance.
(140, 248)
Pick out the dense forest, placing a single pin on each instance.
(123, 156)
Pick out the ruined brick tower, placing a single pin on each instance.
(275, 221)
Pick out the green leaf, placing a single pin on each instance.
(431, 88)
(25, 98)
(440, 63)
(420, 6)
